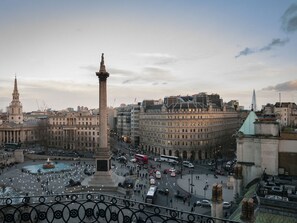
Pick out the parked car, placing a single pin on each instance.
(226, 204)
(203, 203)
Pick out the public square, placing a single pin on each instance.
(55, 183)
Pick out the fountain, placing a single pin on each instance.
(48, 164)
(47, 167)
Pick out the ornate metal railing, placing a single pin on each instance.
(92, 207)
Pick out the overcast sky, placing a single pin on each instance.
(152, 49)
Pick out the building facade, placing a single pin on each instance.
(74, 130)
(192, 127)
(123, 127)
(286, 112)
(261, 146)
(14, 130)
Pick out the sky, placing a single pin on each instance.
(152, 49)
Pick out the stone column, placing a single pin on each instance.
(247, 210)
(103, 179)
(238, 178)
(217, 202)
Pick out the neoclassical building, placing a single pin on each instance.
(77, 130)
(69, 129)
(192, 127)
(13, 129)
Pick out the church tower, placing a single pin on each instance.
(15, 109)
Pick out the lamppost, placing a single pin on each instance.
(189, 184)
(181, 167)
(167, 193)
(192, 182)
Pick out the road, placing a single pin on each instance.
(165, 182)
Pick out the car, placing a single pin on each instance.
(165, 171)
(211, 163)
(180, 196)
(129, 183)
(173, 162)
(133, 160)
(226, 204)
(203, 203)
(152, 181)
(177, 171)
(158, 175)
(173, 174)
(158, 160)
(171, 169)
(188, 164)
(220, 172)
(122, 159)
(163, 191)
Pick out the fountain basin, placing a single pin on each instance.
(40, 169)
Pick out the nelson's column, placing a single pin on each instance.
(103, 179)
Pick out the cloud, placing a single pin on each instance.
(90, 68)
(158, 58)
(289, 25)
(286, 86)
(245, 52)
(120, 71)
(289, 19)
(274, 43)
(154, 75)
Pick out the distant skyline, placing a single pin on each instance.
(152, 49)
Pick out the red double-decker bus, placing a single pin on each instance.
(141, 159)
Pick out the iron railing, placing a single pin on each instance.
(92, 207)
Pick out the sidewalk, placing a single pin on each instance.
(199, 183)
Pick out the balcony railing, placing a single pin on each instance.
(92, 207)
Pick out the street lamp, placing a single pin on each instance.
(167, 192)
(189, 184)
(192, 182)
(181, 167)
(205, 188)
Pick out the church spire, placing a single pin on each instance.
(15, 109)
(15, 93)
